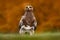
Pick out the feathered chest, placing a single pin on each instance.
(28, 20)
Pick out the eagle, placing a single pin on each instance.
(27, 23)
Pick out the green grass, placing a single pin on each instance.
(41, 36)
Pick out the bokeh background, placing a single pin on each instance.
(47, 13)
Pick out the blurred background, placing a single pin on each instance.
(47, 13)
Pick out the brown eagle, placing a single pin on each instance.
(28, 19)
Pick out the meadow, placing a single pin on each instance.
(40, 36)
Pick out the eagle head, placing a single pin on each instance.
(28, 8)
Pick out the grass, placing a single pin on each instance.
(41, 36)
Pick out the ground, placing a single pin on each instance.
(40, 36)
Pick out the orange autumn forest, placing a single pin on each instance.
(47, 13)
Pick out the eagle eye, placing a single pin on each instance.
(30, 7)
(26, 7)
